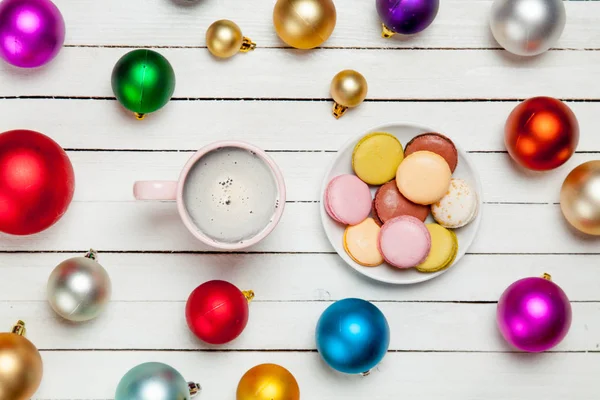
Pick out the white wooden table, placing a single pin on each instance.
(444, 345)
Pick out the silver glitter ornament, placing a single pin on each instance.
(527, 27)
(79, 288)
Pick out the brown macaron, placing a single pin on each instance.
(436, 143)
(374, 214)
(390, 203)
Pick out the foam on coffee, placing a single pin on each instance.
(231, 194)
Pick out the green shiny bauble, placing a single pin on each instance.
(143, 81)
(155, 381)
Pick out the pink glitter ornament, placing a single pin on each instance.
(32, 32)
(534, 314)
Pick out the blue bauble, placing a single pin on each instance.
(352, 336)
(152, 381)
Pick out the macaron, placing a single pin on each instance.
(423, 177)
(458, 207)
(436, 143)
(444, 247)
(390, 203)
(374, 214)
(360, 242)
(376, 158)
(347, 199)
(404, 242)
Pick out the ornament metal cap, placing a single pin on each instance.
(19, 328)
(249, 295)
(339, 110)
(194, 388)
(366, 373)
(92, 255)
(547, 276)
(139, 116)
(386, 32)
(247, 45)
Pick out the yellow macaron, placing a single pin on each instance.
(444, 247)
(376, 158)
(360, 242)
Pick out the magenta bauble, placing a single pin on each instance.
(32, 32)
(534, 314)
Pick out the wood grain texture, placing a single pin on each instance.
(418, 74)
(460, 24)
(271, 125)
(94, 375)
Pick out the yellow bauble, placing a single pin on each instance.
(224, 39)
(348, 89)
(268, 382)
(20, 365)
(580, 198)
(304, 24)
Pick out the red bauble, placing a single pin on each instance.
(217, 311)
(36, 182)
(541, 133)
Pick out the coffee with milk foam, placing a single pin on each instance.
(231, 194)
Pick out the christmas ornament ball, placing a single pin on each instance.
(348, 89)
(224, 39)
(352, 336)
(143, 81)
(304, 24)
(541, 133)
(36, 182)
(406, 17)
(20, 367)
(155, 381)
(79, 288)
(527, 27)
(32, 32)
(217, 311)
(580, 198)
(268, 382)
(534, 314)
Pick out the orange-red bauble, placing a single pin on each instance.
(36, 182)
(541, 133)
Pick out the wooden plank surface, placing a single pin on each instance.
(453, 77)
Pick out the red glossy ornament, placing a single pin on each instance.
(217, 311)
(541, 133)
(36, 182)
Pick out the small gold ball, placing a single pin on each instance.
(304, 24)
(20, 367)
(268, 382)
(224, 38)
(349, 88)
(580, 198)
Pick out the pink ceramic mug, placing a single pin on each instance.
(230, 195)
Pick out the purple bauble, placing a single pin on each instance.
(534, 314)
(407, 16)
(32, 32)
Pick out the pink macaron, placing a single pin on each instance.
(347, 199)
(404, 242)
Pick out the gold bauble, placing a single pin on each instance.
(304, 24)
(20, 365)
(580, 198)
(268, 382)
(348, 89)
(224, 39)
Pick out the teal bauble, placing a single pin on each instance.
(155, 381)
(143, 81)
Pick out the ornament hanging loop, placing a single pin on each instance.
(339, 110)
(547, 276)
(249, 295)
(92, 255)
(139, 116)
(386, 32)
(194, 388)
(247, 45)
(19, 328)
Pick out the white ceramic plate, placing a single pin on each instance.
(386, 273)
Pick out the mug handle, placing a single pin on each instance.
(155, 190)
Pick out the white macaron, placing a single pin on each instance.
(458, 207)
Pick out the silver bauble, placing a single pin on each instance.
(79, 288)
(527, 27)
(155, 381)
